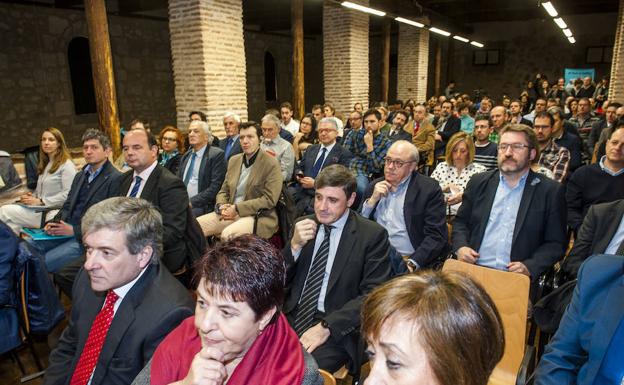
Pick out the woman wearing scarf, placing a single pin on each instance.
(238, 335)
(172, 144)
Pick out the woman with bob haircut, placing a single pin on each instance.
(431, 327)
(238, 334)
(172, 148)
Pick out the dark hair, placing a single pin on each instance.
(245, 268)
(402, 112)
(330, 106)
(484, 117)
(202, 116)
(286, 105)
(372, 111)
(144, 122)
(455, 321)
(95, 134)
(619, 124)
(545, 115)
(615, 104)
(528, 133)
(249, 124)
(317, 107)
(336, 175)
(312, 136)
(447, 101)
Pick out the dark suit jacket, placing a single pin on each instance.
(360, 265)
(168, 194)
(173, 164)
(337, 155)
(236, 148)
(211, 175)
(105, 185)
(400, 135)
(595, 234)
(539, 238)
(577, 350)
(452, 127)
(425, 218)
(526, 122)
(154, 306)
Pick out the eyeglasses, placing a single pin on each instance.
(515, 147)
(165, 139)
(396, 162)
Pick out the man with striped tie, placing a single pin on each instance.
(335, 258)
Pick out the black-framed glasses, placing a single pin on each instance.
(396, 162)
(514, 146)
(165, 139)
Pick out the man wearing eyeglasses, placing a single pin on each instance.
(411, 207)
(512, 218)
(552, 156)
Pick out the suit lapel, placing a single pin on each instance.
(236, 171)
(203, 169)
(126, 182)
(531, 184)
(310, 159)
(151, 185)
(72, 204)
(343, 252)
(183, 164)
(99, 180)
(612, 219)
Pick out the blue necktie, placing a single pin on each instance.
(135, 188)
(228, 148)
(189, 172)
(319, 162)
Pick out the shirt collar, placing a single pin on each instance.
(88, 168)
(146, 173)
(340, 223)
(606, 169)
(250, 162)
(201, 151)
(123, 290)
(329, 148)
(520, 184)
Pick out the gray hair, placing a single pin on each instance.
(204, 126)
(139, 220)
(94, 133)
(331, 121)
(414, 155)
(232, 115)
(271, 119)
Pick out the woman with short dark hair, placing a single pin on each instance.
(238, 334)
(431, 327)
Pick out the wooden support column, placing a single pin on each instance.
(438, 68)
(103, 77)
(298, 87)
(385, 68)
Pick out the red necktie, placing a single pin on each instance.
(93, 346)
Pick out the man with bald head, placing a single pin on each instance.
(411, 207)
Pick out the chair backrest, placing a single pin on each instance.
(510, 293)
(328, 379)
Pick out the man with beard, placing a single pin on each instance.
(512, 219)
(552, 156)
(447, 126)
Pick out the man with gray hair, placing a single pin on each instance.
(124, 302)
(231, 145)
(276, 146)
(98, 180)
(411, 207)
(202, 168)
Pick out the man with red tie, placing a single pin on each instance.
(124, 302)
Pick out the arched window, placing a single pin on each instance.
(81, 76)
(270, 80)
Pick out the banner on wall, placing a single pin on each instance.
(575, 73)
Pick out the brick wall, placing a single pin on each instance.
(345, 56)
(209, 64)
(413, 63)
(616, 89)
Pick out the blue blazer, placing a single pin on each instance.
(576, 352)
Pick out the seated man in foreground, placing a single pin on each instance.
(253, 182)
(335, 258)
(411, 207)
(124, 302)
(512, 218)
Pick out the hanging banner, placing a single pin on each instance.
(576, 73)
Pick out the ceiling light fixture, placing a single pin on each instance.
(572, 40)
(559, 21)
(550, 9)
(410, 22)
(476, 44)
(462, 39)
(362, 8)
(439, 31)
(567, 32)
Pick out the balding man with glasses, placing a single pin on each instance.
(512, 219)
(411, 207)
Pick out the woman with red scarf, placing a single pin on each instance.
(238, 335)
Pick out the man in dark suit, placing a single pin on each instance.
(231, 145)
(97, 181)
(124, 302)
(411, 207)
(335, 258)
(512, 219)
(447, 125)
(202, 168)
(600, 233)
(152, 182)
(588, 346)
(396, 131)
(316, 158)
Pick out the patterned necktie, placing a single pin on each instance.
(312, 287)
(135, 188)
(189, 172)
(95, 341)
(319, 163)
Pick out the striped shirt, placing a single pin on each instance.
(487, 155)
